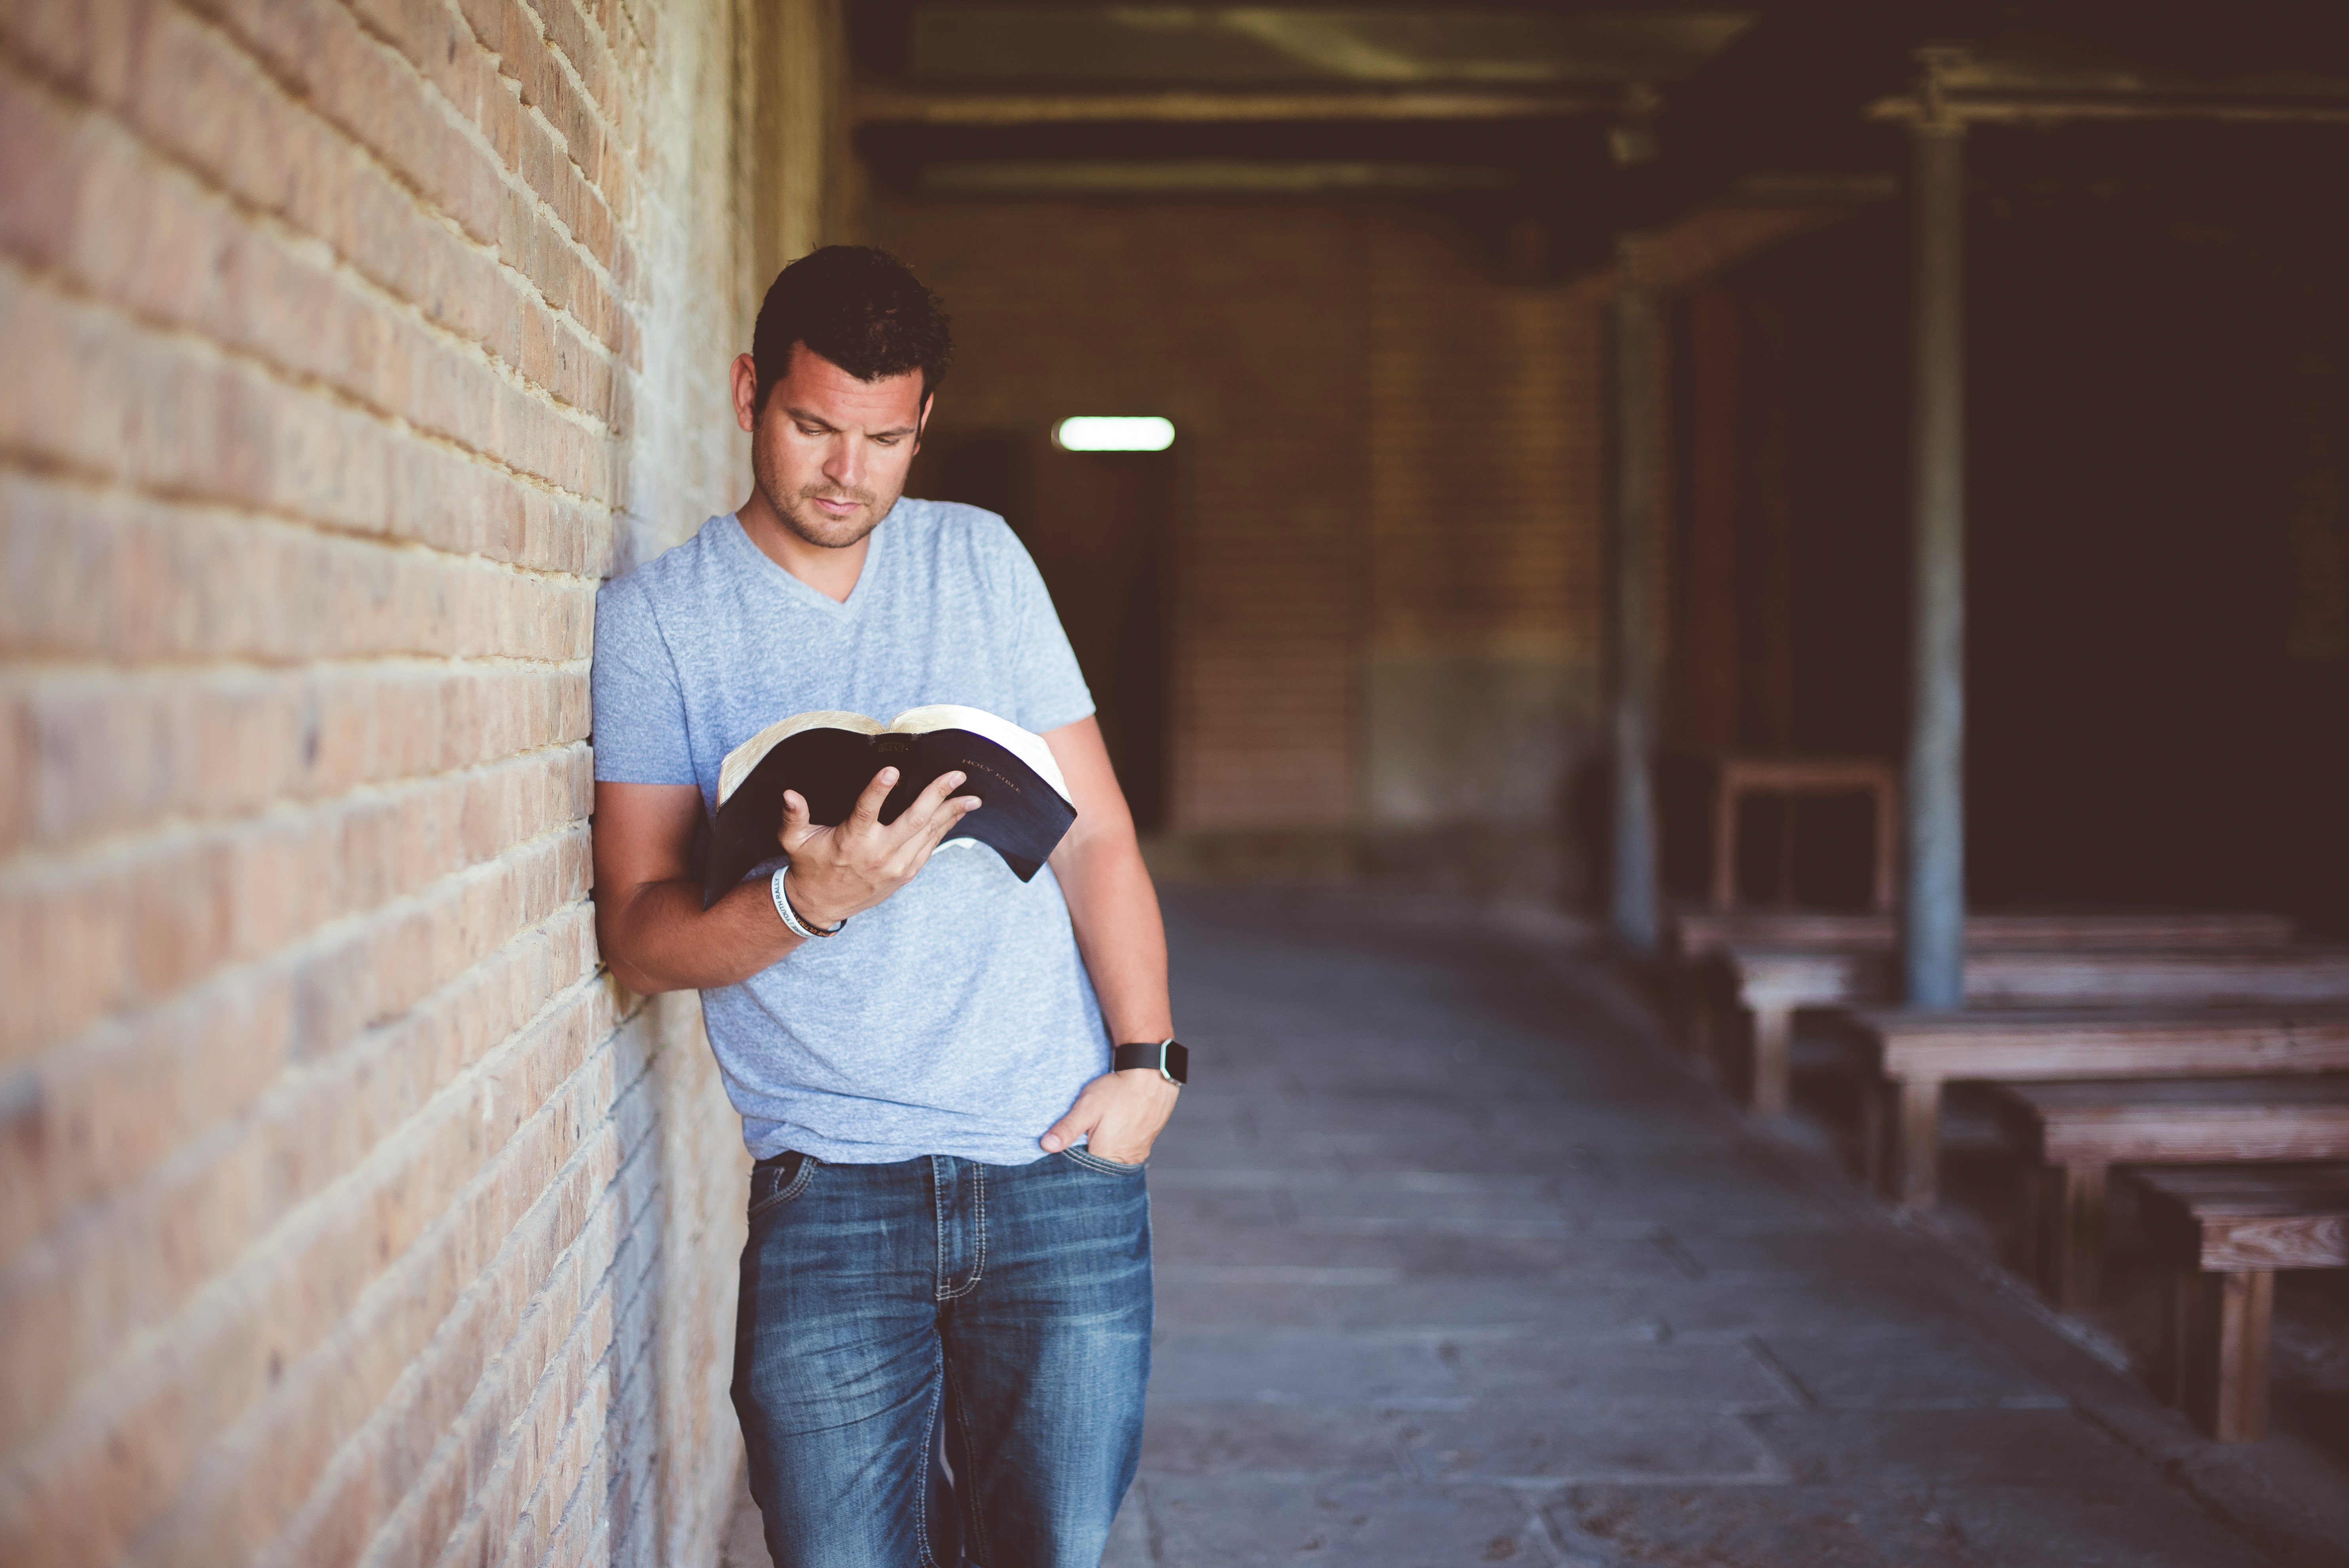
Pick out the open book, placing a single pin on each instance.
(830, 757)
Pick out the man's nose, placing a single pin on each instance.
(843, 464)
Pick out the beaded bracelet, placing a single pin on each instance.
(791, 921)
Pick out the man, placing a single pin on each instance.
(950, 1248)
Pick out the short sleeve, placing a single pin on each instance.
(1051, 688)
(639, 713)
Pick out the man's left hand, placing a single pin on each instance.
(1118, 1115)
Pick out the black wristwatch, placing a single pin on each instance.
(1166, 1057)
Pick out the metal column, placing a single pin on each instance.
(1933, 892)
(1634, 913)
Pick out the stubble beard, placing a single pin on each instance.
(796, 509)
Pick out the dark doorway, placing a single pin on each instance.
(1099, 526)
(1789, 588)
(2128, 568)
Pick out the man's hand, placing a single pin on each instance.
(1119, 1115)
(844, 871)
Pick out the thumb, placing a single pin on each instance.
(1079, 1123)
(795, 820)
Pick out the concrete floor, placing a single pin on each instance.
(1457, 1264)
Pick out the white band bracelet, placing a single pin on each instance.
(791, 921)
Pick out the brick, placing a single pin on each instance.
(571, 118)
(195, 97)
(1233, 308)
(578, 46)
(630, 1493)
(90, 1290)
(441, 1444)
(89, 573)
(112, 752)
(317, 48)
(264, 1469)
(560, 1444)
(384, 1256)
(111, 402)
(539, 1316)
(343, 1217)
(95, 1117)
(190, 260)
(1520, 557)
(473, 1480)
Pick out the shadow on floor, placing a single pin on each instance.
(1459, 1263)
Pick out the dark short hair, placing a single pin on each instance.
(859, 308)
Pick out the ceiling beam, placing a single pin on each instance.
(1960, 86)
(2035, 110)
(1199, 177)
(889, 106)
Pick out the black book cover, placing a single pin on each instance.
(1022, 815)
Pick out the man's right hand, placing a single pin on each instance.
(846, 870)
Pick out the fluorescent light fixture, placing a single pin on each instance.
(1113, 433)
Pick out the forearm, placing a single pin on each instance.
(1120, 933)
(657, 937)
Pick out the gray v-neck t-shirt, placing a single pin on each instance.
(955, 1017)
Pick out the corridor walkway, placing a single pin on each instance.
(1457, 1265)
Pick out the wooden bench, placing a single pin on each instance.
(2071, 1135)
(2222, 1234)
(1770, 986)
(1906, 1057)
(1693, 933)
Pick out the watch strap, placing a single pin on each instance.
(1168, 1059)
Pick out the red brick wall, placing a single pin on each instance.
(1237, 320)
(1486, 467)
(1390, 531)
(347, 1209)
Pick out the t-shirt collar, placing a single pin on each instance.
(759, 562)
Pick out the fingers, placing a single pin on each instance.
(868, 805)
(953, 811)
(932, 816)
(795, 820)
(1124, 1113)
(1083, 1118)
(928, 802)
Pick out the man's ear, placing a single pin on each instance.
(922, 420)
(746, 392)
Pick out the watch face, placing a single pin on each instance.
(1176, 1061)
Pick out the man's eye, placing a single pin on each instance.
(885, 441)
(810, 430)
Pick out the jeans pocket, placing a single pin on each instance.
(1093, 1161)
(781, 1178)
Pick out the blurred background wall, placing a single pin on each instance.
(347, 1211)
(1381, 513)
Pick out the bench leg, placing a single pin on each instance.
(1916, 1166)
(1774, 1034)
(2179, 1286)
(2065, 1231)
(2221, 1344)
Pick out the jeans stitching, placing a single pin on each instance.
(788, 1190)
(1095, 1162)
(978, 1211)
(938, 1202)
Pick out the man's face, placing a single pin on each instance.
(830, 452)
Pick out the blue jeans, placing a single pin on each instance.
(996, 1317)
